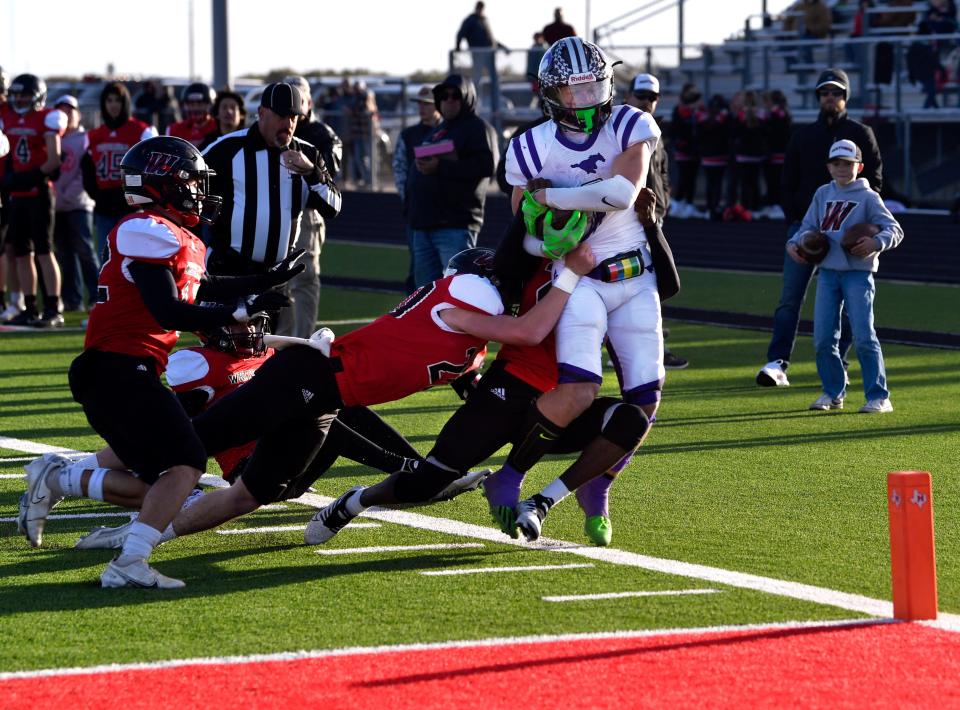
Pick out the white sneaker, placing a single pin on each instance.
(773, 374)
(330, 520)
(470, 482)
(9, 313)
(877, 406)
(137, 574)
(104, 538)
(825, 403)
(38, 501)
(530, 515)
(679, 209)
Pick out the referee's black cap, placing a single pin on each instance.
(283, 99)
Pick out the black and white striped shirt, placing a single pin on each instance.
(263, 201)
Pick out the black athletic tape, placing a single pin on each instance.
(625, 425)
(424, 483)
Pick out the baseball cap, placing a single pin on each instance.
(424, 96)
(645, 82)
(69, 100)
(834, 77)
(845, 150)
(283, 99)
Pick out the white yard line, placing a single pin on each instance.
(488, 570)
(284, 528)
(75, 516)
(442, 645)
(793, 590)
(624, 595)
(397, 548)
(16, 459)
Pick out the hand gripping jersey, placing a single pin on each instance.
(109, 145)
(27, 135)
(546, 151)
(193, 132)
(120, 321)
(534, 364)
(411, 348)
(218, 374)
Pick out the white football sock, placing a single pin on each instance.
(95, 484)
(353, 504)
(139, 543)
(556, 491)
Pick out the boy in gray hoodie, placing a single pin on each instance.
(846, 277)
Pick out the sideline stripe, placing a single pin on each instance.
(624, 595)
(397, 548)
(11, 476)
(484, 570)
(769, 585)
(77, 516)
(441, 645)
(284, 528)
(17, 459)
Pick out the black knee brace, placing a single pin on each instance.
(625, 425)
(423, 483)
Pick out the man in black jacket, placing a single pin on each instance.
(804, 171)
(447, 190)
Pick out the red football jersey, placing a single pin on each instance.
(411, 348)
(109, 145)
(120, 321)
(193, 132)
(534, 364)
(28, 144)
(218, 374)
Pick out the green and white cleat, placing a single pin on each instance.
(505, 517)
(599, 529)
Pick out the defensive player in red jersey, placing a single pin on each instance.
(108, 143)
(151, 277)
(429, 338)
(34, 133)
(195, 105)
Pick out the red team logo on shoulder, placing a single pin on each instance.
(161, 164)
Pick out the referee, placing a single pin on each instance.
(267, 178)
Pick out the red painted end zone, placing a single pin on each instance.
(882, 665)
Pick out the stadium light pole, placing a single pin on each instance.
(679, 32)
(221, 48)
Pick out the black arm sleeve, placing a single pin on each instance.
(88, 172)
(230, 288)
(159, 293)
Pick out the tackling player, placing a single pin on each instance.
(153, 273)
(597, 155)
(34, 133)
(430, 338)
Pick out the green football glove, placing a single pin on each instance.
(532, 211)
(559, 241)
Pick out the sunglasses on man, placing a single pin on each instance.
(451, 96)
(836, 93)
(646, 96)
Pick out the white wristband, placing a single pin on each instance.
(241, 315)
(566, 280)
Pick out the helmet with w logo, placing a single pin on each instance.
(576, 84)
(170, 173)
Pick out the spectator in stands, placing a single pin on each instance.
(558, 29)
(403, 159)
(300, 320)
(778, 130)
(713, 141)
(106, 146)
(475, 30)
(153, 106)
(749, 150)
(73, 224)
(534, 55)
(682, 138)
(804, 171)
(923, 64)
(644, 95)
(816, 22)
(447, 191)
(336, 114)
(196, 103)
(230, 115)
(363, 121)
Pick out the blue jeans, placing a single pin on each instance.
(73, 243)
(855, 290)
(796, 279)
(432, 249)
(104, 226)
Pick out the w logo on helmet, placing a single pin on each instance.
(160, 164)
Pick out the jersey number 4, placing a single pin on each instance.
(22, 151)
(108, 166)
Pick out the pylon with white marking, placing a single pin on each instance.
(913, 564)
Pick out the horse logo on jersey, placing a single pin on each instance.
(589, 165)
(835, 214)
(160, 164)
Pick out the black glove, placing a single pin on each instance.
(466, 384)
(285, 270)
(269, 301)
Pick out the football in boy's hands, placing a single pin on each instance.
(813, 246)
(856, 232)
